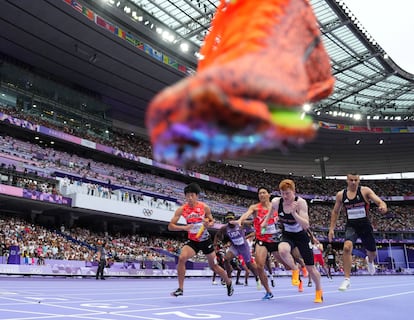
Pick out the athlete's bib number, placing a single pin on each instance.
(356, 213)
(271, 229)
(196, 227)
(238, 241)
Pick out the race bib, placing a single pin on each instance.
(196, 227)
(270, 229)
(293, 227)
(238, 241)
(356, 213)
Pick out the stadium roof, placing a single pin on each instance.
(368, 82)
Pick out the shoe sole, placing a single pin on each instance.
(211, 126)
(370, 272)
(173, 294)
(230, 291)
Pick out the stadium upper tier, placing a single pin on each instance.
(99, 179)
(232, 176)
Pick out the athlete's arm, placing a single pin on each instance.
(209, 219)
(247, 214)
(334, 215)
(173, 226)
(371, 195)
(300, 213)
(271, 213)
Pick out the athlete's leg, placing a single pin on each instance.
(186, 253)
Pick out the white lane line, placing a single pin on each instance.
(332, 306)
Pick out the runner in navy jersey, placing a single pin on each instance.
(294, 219)
(356, 201)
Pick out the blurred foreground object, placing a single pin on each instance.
(262, 60)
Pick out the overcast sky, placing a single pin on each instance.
(391, 24)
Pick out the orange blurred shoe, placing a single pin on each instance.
(262, 61)
(300, 287)
(304, 272)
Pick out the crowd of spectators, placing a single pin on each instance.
(31, 159)
(33, 167)
(41, 161)
(306, 185)
(398, 218)
(37, 163)
(38, 243)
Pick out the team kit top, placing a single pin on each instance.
(288, 220)
(195, 215)
(272, 232)
(357, 208)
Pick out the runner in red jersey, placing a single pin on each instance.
(198, 217)
(267, 236)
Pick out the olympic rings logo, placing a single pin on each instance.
(147, 212)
